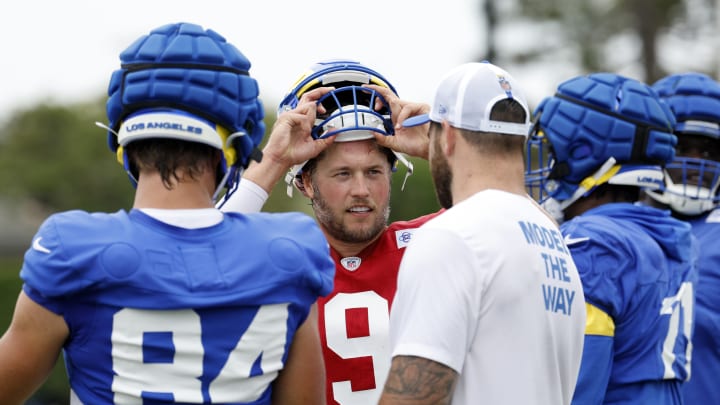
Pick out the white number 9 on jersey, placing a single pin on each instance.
(375, 345)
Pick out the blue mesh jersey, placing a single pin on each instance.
(703, 387)
(637, 268)
(175, 315)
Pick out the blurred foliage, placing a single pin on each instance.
(56, 157)
(588, 32)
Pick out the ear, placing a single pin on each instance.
(449, 139)
(305, 185)
(218, 158)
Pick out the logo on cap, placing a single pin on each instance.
(504, 83)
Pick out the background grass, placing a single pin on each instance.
(55, 391)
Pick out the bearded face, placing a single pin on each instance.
(360, 221)
(350, 191)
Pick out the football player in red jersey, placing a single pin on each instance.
(346, 173)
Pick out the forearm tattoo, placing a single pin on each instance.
(415, 380)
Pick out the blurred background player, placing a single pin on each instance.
(597, 143)
(693, 179)
(487, 284)
(325, 142)
(174, 301)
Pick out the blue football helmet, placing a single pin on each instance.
(184, 77)
(694, 175)
(351, 113)
(596, 129)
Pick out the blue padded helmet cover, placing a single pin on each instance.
(185, 67)
(592, 118)
(694, 98)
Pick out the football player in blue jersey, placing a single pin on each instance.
(174, 301)
(597, 143)
(693, 181)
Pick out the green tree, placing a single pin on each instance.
(57, 158)
(611, 35)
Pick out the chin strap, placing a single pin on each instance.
(290, 177)
(686, 200)
(408, 164)
(601, 175)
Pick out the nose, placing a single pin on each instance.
(360, 186)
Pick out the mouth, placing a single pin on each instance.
(359, 209)
(700, 181)
(691, 178)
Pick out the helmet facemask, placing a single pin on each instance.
(352, 112)
(590, 134)
(693, 177)
(351, 115)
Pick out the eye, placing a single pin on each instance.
(375, 172)
(696, 146)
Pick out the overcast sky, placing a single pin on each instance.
(65, 50)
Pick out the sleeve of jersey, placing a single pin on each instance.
(434, 311)
(247, 198)
(319, 256)
(601, 260)
(596, 363)
(50, 271)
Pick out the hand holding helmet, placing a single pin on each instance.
(291, 142)
(413, 141)
(351, 110)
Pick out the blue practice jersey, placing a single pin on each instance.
(162, 314)
(704, 386)
(636, 264)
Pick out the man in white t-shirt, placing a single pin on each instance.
(489, 306)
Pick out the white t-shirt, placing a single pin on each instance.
(489, 289)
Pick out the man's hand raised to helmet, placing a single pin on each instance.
(290, 142)
(413, 141)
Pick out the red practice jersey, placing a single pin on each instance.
(354, 318)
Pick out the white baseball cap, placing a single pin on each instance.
(467, 94)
